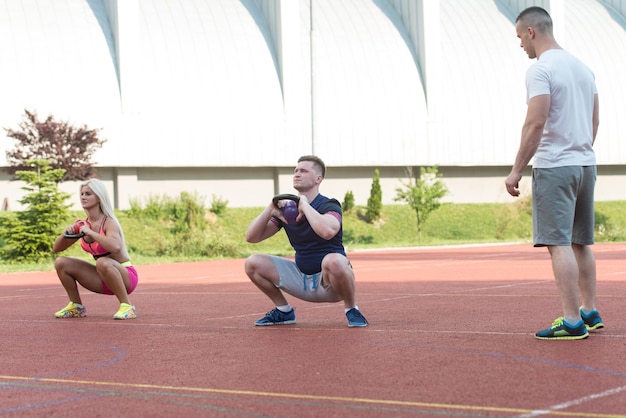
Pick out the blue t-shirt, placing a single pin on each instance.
(311, 248)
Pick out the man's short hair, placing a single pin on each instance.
(537, 18)
(317, 162)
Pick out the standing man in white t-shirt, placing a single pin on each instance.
(559, 132)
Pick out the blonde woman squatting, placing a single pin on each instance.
(112, 272)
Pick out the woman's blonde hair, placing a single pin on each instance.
(99, 189)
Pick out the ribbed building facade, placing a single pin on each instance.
(220, 97)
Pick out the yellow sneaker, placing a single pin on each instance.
(125, 311)
(72, 310)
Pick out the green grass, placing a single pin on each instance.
(152, 241)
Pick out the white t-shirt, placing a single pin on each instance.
(567, 138)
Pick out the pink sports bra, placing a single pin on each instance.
(94, 248)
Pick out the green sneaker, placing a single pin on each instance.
(561, 330)
(592, 320)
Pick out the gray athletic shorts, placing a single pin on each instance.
(563, 211)
(307, 287)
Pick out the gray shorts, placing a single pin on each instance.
(563, 211)
(307, 287)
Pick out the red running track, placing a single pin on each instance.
(451, 334)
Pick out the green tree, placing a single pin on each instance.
(375, 201)
(423, 193)
(348, 201)
(30, 234)
(63, 145)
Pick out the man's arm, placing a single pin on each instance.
(536, 116)
(596, 116)
(262, 227)
(325, 225)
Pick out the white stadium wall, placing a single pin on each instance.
(220, 97)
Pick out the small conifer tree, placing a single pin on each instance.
(30, 234)
(375, 201)
(348, 201)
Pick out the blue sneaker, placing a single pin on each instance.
(592, 320)
(561, 330)
(276, 317)
(356, 318)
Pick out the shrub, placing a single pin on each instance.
(218, 205)
(188, 213)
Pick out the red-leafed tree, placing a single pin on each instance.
(63, 145)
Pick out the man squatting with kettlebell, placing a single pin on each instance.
(321, 271)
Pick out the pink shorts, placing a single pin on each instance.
(133, 277)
